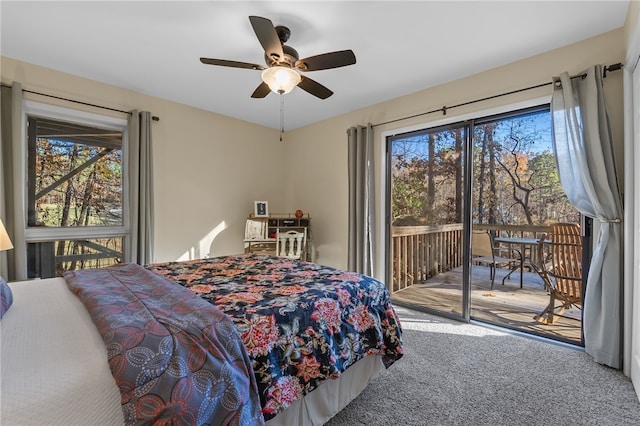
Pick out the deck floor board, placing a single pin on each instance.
(509, 305)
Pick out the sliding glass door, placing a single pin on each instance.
(427, 187)
(517, 198)
(471, 212)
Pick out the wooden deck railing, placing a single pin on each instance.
(421, 252)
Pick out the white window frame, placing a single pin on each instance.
(44, 234)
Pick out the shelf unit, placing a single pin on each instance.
(260, 232)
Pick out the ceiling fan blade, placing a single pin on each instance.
(233, 64)
(315, 88)
(341, 58)
(261, 91)
(268, 37)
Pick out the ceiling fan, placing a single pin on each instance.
(282, 72)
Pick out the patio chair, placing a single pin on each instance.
(483, 251)
(565, 271)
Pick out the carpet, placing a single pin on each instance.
(454, 373)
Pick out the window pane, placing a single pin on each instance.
(53, 258)
(516, 180)
(427, 177)
(75, 174)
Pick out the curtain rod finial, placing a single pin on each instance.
(612, 67)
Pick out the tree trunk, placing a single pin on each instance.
(492, 175)
(431, 185)
(480, 190)
(459, 166)
(64, 220)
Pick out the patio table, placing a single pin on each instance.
(524, 243)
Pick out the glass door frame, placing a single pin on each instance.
(466, 213)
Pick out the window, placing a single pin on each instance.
(427, 176)
(75, 191)
(515, 176)
(515, 179)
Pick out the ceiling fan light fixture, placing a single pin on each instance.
(281, 80)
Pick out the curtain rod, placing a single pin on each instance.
(154, 118)
(608, 68)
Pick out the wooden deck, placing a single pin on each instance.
(508, 306)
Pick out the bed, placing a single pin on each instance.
(305, 340)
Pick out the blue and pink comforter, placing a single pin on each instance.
(300, 322)
(176, 358)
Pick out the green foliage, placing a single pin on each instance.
(515, 177)
(84, 198)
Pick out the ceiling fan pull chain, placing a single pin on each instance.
(281, 115)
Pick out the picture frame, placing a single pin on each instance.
(260, 209)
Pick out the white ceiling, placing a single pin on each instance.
(153, 47)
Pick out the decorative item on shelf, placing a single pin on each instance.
(299, 213)
(261, 209)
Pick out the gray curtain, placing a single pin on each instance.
(361, 199)
(584, 156)
(140, 187)
(630, 360)
(13, 263)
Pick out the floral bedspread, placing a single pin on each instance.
(176, 358)
(301, 322)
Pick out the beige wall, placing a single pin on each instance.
(209, 168)
(320, 186)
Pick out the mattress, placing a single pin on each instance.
(54, 370)
(53, 361)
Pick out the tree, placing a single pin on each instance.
(515, 179)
